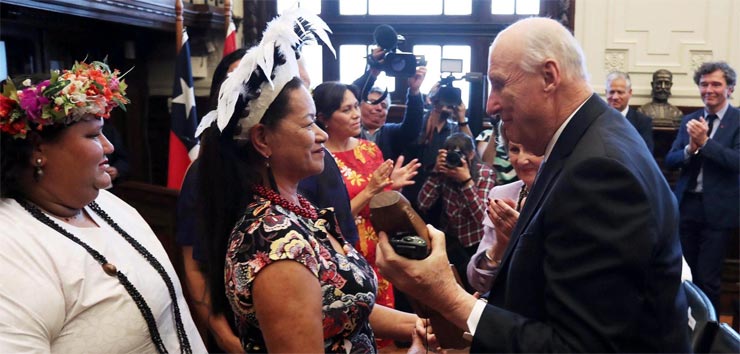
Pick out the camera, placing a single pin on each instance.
(395, 63)
(448, 95)
(392, 213)
(409, 246)
(454, 158)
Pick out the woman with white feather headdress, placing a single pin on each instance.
(293, 282)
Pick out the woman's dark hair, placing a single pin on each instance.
(16, 157)
(464, 143)
(328, 96)
(15, 154)
(228, 171)
(219, 75)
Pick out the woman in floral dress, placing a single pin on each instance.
(362, 166)
(292, 280)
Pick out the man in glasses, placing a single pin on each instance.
(392, 138)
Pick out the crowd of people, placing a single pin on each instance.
(575, 244)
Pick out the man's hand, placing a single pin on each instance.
(460, 113)
(416, 80)
(697, 129)
(429, 280)
(377, 55)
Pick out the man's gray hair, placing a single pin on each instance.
(380, 91)
(560, 45)
(618, 75)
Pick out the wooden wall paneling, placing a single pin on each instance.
(155, 14)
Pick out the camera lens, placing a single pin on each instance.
(398, 64)
(454, 159)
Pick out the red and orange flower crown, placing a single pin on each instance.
(86, 89)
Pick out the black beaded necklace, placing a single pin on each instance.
(522, 194)
(111, 270)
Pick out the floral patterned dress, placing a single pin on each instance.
(268, 233)
(356, 166)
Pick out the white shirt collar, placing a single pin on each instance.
(625, 111)
(720, 113)
(556, 136)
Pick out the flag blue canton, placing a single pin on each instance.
(184, 114)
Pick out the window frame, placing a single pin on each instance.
(476, 30)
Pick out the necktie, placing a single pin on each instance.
(696, 163)
(710, 121)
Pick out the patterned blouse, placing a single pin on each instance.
(268, 233)
(464, 206)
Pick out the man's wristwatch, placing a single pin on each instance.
(462, 124)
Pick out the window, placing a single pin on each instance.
(352, 65)
(312, 56)
(518, 7)
(433, 55)
(312, 5)
(405, 7)
(3, 62)
(312, 52)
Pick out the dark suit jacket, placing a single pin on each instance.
(327, 189)
(721, 161)
(643, 124)
(594, 263)
(393, 138)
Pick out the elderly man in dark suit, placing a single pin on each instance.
(707, 149)
(594, 262)
(618, 94)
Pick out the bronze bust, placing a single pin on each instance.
(663, 113)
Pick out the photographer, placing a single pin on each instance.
(447, 117)
(462, 182)
(391, 138)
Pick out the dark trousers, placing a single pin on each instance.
(459, 256)
(703, 247)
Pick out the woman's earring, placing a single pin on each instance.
(38, 172)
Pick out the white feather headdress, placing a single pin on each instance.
(286, 34)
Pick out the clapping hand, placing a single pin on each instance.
(697, 129)
(401, 175)
(504, 216)
(380, 178)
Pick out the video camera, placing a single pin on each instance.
(447, 94)
(395, 63)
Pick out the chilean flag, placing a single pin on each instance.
(230, 42)
(184, 119)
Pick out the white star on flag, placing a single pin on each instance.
(187, 97)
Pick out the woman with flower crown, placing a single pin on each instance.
(80, 270)
(292, 280)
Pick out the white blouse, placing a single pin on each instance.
(54, 297)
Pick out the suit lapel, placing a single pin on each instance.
(727, 125)
(631, 117)
(551, 168)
